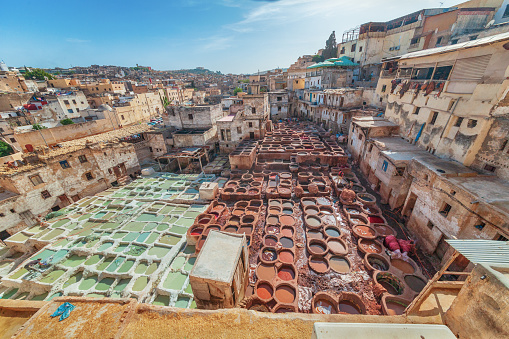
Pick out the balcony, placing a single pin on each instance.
(387, 73)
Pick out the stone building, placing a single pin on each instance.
(52, 179)
(446, 99)
(278, 101)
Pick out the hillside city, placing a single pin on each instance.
(361, 190)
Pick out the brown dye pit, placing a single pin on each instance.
(336, 246)
(286, 273)
(286, 242)
(269, 254)
(395, 307)
(308, 202)
(287, 220)
(287, 211)
(272, 220)
(339, 264)
(370, 246)
(384, 230)
(390, 283)
(346, 306)
(284, 310)
(211, 228)
(264, 291)
(285, 294)
(274, 203)
(365, 231)
(272, 230)
(231, 229)
(324, 307)
(246, 229)
(317, 248)
(313, 221)
(333, 232)
(266, 272)
(415, 283)
(403, 266)
(286, 256)
(318, 264)
(378, 264)
(270, 241)
(314, 235)
(287, 231)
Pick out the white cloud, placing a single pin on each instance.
(217, 43)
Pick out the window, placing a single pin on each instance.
(384, 88)
(222, 135)
(385, 165)
(82, 158)
(74, 101)
(12, 139)
(279, 99)
(504, 144)
(439, 40)
(122, 117)
(12, 210)
(480, 225)
(433, 118)
(416, 110)
(442, 73)
(228, 135)
(65, 164)
(370, 148)
(414, 41)
(70, 110)
(239, 130)
(89, 176)
(445, 209)
(430, 225)
(472, 123)
(360, 48)
(2, 215)
(77, 109)
(422, 73)
(501, 238)
(489, 168)
(399, 171)
(190, 116)
(253, 110)
(459, 121)
(250, 125)
(36, 179)
(66, 102)
(279, 108)
(45, 194)
(354, 46)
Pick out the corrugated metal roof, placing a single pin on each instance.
(463, 45)
(490, 252)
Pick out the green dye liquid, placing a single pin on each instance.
(52, 276)
(158, 251)
(40, 296)
(150, 226)
(152, 268)
(142, 237)
(170, 239)
(105, 263)
(95, 295)
(162, 300)
(175, 281)
(179, 229)
(88, 283)
(121, 248)
(19, 273)
(104, 284)
(104, 246)
(126, 266)
(189, 249)
(134, 226)
(93, 259)
(122, 284)
(185, 222)
(189, 264)
(43, 255)
(131, 236)
(141, 268)
(9, 294)
(115, 264)
(182, 302)
(74, 279)
(153, 236)
(140, 284)
(74, 260)
(119, 235)
(178, 263)
(136, 250)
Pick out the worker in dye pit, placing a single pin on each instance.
(32, 265)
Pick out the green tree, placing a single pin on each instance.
(5, 149)
(331, 47)
(66, 122)
(317, 58)
(38, 127)
(237, 90)
(37, 74)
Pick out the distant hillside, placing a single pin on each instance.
(196, 71)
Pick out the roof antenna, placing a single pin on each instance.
(441, 4)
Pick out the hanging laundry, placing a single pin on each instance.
(430, 88)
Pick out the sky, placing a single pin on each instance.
(231, 36)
